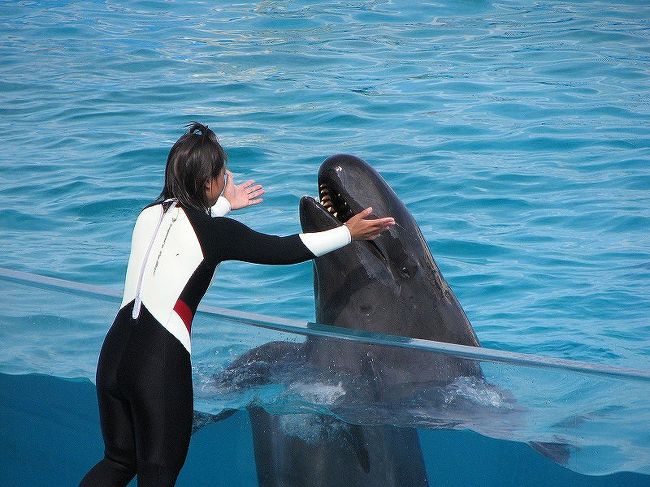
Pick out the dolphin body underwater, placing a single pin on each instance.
(388, 285)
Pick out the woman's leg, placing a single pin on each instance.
(161, 402)
(119, 464)
(163, 426)
(144, 387)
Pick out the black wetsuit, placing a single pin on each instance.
(144, 375)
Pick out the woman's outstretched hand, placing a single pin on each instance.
(242, 195)
(361, 229)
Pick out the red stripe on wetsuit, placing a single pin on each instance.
(185, 313)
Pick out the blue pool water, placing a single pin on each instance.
(516, 133)
(469, 432)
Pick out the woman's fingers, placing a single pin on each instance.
(360, 216)
(250, 189)
(362, 229)
(382, 223)
(255, 191)
(364, 213)
(230, 180)
(375, 227)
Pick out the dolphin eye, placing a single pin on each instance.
(407, 267)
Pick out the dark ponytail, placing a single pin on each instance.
(193, 160)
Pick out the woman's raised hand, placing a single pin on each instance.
(242, 195)
(361, 229)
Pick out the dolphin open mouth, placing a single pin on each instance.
(346, 185)
(335, 202)
(343, 182)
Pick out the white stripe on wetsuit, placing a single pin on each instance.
(320, 243)
(138, 292)
(221, 207)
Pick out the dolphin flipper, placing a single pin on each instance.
(558, 452)
(201, 419)
(261, 365)
(356, 439)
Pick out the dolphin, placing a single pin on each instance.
(389, 285)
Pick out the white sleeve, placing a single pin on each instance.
(221, 207)
(320, 243)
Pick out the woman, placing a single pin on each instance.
(144, 375)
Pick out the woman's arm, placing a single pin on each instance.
(236, 241)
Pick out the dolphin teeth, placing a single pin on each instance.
(326, 200)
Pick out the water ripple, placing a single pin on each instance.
(516, 133)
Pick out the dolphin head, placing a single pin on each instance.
(390, 284)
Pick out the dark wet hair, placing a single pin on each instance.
(193, 160)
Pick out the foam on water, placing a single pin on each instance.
(470, 388)
(319, 392)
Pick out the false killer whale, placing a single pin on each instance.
(389, 285)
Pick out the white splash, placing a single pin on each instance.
(318, 392)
